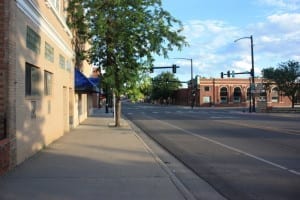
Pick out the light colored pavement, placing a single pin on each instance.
(93, 161)
(97, 161)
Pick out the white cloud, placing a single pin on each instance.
(276, 39)
(207, 39)
(242, 65)
(214, 32)
(290, 5)
(286, 22)
(279, 36)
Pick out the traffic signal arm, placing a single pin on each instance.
(174, 67)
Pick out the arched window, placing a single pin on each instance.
(237, 95)
(224, 95)
(275, 95)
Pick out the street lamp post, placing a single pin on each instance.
(251, 72)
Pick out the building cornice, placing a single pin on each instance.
(50, 5)
(34, 14)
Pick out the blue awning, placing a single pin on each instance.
(84, 84)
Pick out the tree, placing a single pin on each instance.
(77, 22)
(164, 86)
(286, 77)
(145, 86)
(141, 89)
(125, 36)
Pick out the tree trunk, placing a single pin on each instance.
(118, 98)
(118, 111)
(293, 101)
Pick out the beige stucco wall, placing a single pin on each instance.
(83, 102)
(53, 112)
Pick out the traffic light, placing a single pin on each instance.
(151, 69)
(174, 68)
(222, 75)
(233, 74)
(228, 73)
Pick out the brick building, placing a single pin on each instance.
(38, 98)
(230, 92)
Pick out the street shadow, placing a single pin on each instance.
(67, 170)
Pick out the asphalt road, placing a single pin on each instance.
(242, 155)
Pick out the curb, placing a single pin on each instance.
(178, 184)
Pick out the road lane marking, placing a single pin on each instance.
(279, 130)
(222, 117)
(234, 149)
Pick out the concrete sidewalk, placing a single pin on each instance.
(93, 161)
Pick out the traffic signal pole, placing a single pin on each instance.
(252, 74)
(192, 84)
(252, 96)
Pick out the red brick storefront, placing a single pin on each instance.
(230, 92)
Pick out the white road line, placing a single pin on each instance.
(234, 149)
(221, 117)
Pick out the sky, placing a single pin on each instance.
(212, 26)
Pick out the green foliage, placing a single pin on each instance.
(77, 22)
(145, 85)
(125, 35)
(164, 86)
(139, 90)
(286, 77)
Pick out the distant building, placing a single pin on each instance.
(39, 101)
(231, 92)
